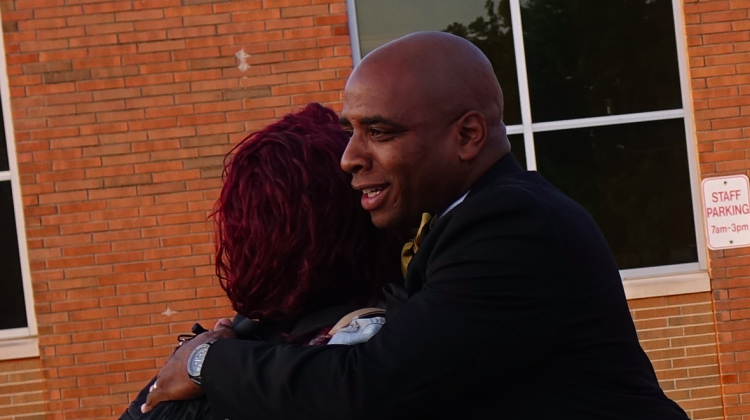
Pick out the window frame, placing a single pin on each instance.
(16, 343)
(639, 282)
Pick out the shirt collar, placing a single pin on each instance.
(455, 203)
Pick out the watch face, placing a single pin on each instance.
(195, 363)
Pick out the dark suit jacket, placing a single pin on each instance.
(512, 308)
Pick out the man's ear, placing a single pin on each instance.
(472, 128)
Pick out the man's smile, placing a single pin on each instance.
(373, 195)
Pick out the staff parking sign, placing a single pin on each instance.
(726, 211)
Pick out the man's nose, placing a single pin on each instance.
(354, 158)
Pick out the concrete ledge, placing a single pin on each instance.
(676, 284)
(19, 348)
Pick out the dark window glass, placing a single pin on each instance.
(485, 23)
(591, 58)
(12, 306)
(517, 147)
(634, 180)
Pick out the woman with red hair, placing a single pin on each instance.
(295, 251)
(292, 238)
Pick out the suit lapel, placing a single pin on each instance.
(395, 294)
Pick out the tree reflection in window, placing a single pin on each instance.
(592, 58)
(493, 35)
(585, 58)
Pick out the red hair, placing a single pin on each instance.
(292, 237)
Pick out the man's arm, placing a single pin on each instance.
(489, 309)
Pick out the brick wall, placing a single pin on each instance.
(679, 336)
(21, 396)
(123, 112)
(719, 51)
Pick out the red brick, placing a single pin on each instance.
(724, 16)
(141, 15)
(101, 106)
(97, 62)
(285, 3)
(171, 111)
(734, 37)
(238, 6)
(259, 37)
(146, 58)
(194, 53)
(36, 24)
(311, 53)
(319, 31)
(109, 28)
(147, 47)
(192, 32)
(151, 79)
(143, 36)
(100, 84)
(61, 33)
(46, 45)
(295, 66)
(209, 19)
(718, 113)
(203, 9)
(107, 7)
(167, 23)
(198, 75)
(115, 94)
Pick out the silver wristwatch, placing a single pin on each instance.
(195, 361)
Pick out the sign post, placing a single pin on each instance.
(726, 211)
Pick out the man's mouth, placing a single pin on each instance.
(374, 196)
(372, 192)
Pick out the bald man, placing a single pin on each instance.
(512, 306)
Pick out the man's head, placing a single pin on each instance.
(425, 117)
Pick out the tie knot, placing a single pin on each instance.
(411, 247)
(424, 227)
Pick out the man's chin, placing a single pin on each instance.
(383, 220)
(379, 222)
(386, 220)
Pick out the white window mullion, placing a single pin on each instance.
(514, 129)
(351, 11)
(523, 84)
(14, 333)
(4, 176)
(608, 120)
(691, 143)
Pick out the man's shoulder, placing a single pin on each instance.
(517, 204)
(527, 189)
(521, 200)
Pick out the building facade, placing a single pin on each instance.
(117, 116)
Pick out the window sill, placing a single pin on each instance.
(19, 348)
(670, 285)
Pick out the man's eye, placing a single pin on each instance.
(349, 132)
(374, 132)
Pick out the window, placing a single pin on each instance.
(596, 101)
(17, 319)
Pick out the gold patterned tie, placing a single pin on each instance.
(411, 247)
